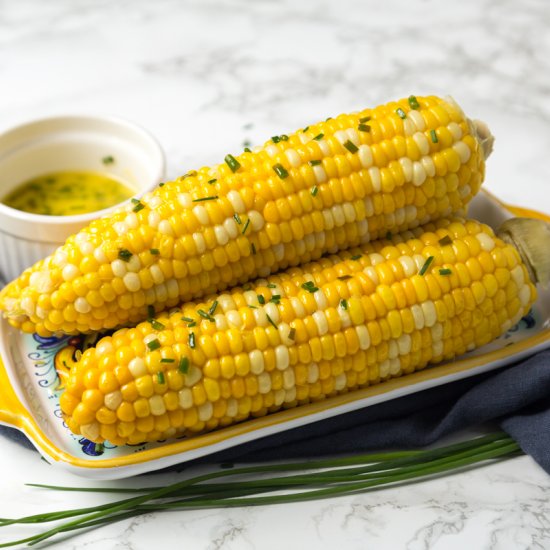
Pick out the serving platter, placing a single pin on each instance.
(30, 388)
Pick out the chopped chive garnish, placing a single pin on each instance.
(213, 307)
(281, 171)
(276, 298)
(283, 137)
(433, 135)
(192, 324)
(252, 307)
(292, 334)
(247, 150)
(314, 191)
(344, 277)
(314, 162)
(364, 119)
(156, 325)
(154, 251)
(310, 286)
(445, 240)
(344, 304)
(213, 180)
(363, 128)
(245, 226)
(275, 139)
(351, 147)
(305, 129)
(357, 256)
(232, 162)
(134, 201)
(271, 285)
(150, 312)
(167, 360)
(108, 159)
(426, 265)
(388, 235)
(153, 345)
(124, 255)
(401, 113)
(445, 271)
(270, 320)
(261, 299)
(160, 377)
(318, 137)
(212, 198)
(205, 315)
(161, 184)
(138, 206)
(192, 342)
(246, 144)
(190, 174)
(237, 218)
(183, 365)
(188, 319)
(413, 102)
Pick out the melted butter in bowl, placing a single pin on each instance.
(68, 193)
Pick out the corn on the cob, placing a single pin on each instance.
(330, 186)
(334, 325)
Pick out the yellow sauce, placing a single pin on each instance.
(68, 193)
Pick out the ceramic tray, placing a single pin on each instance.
(29, 390)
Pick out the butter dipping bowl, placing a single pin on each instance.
(104, 145)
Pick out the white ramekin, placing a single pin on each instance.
(67, 143)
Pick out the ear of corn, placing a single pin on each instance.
(333, 185)
(331, 326)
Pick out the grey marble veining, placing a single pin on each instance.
(207, 76)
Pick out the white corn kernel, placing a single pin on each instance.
(363, 336)
(113, 400)
(256, 358)
(137, 367)
(81, 305)
(463, 151)
(206, 410)
(430, 313)
(132, 282)
(157, 406)
(282, 357)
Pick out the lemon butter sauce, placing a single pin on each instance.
(68, 193)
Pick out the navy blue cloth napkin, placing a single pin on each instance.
(515, 398)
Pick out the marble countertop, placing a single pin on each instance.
(205, 77)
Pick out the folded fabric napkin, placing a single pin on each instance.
(517, 398)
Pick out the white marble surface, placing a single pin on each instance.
(206, 76)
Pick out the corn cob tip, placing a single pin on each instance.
(531, 238)
(484, 136)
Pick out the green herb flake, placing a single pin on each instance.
(232, 162)
(212, 181)
(245, 226)
(187, 319)
(389, 235)
(315, 162)
(433, 135)
(351, 147)
(138, 206)
(357, 256)
(319, 137)
(150, 312)
(124, 255)
(203, 199)
(310, 286)
(305, 129)
(275, 139)
(153, 345)
(167, 360)
(247, 150)
(344, 277)
(192, 340)
(161, 184)
(314, 191)
(281, 171)
(401, 113)
(445, 271)
(344, 304)
(445, 240)
(192, 324)
(413, 102)
(237, 218)
(160, 377)
(426, 265)
(364, 119)
(252, 307)
(261, 299)
(108, 160)
(154, 251)
(283, 137)
(270, 320)
(156, 325)
(292, 334)
(183, 365)
(205, 315)
(276, 299)
(363, 128)
(213, 307)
